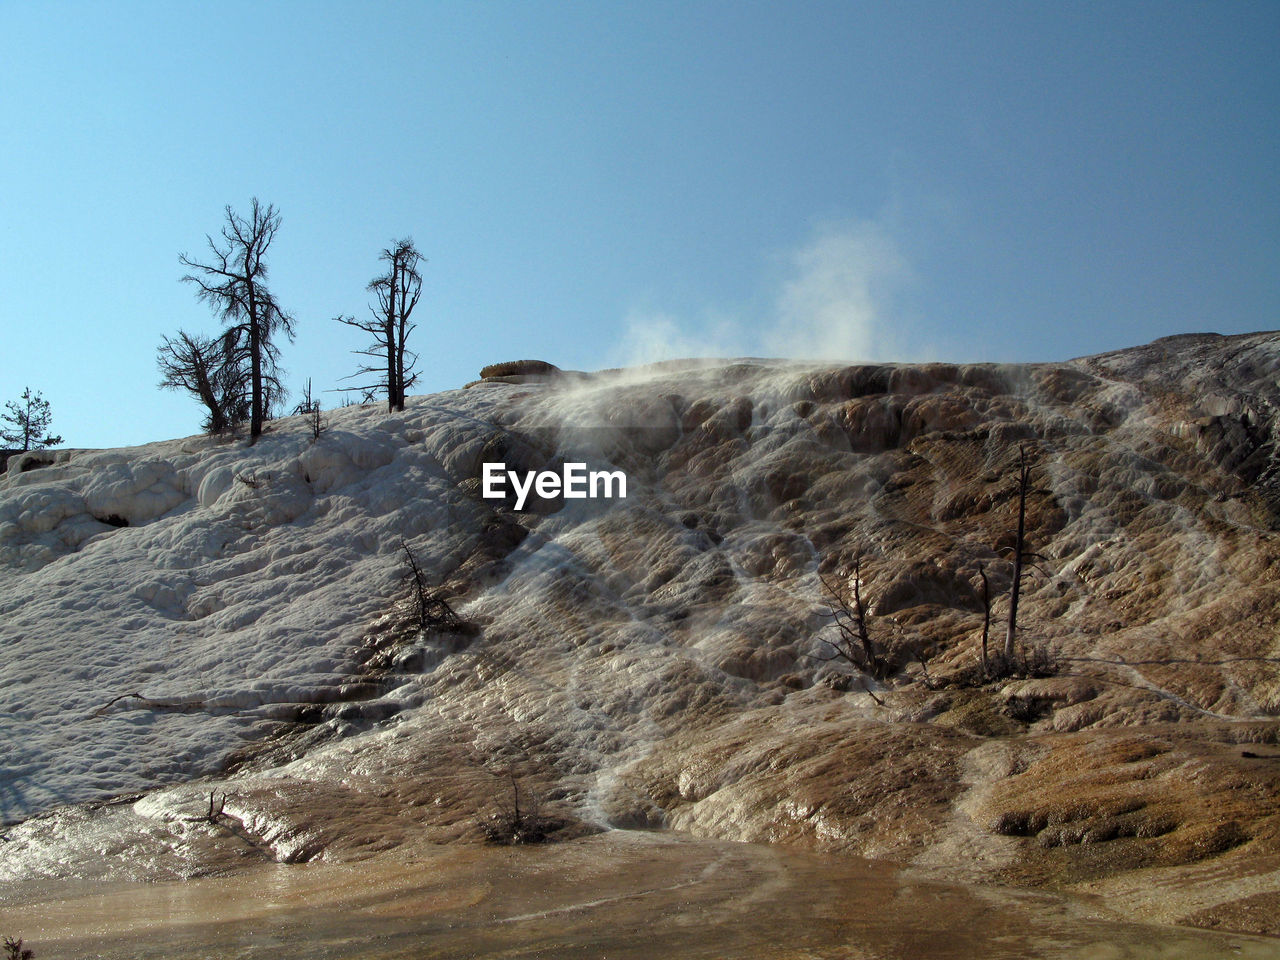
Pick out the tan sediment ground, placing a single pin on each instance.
(615, 895)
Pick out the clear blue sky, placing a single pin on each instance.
(594, 183)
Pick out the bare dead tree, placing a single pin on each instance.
(217, 810)
(315, 420)
(986, 619)
(515, 795)
(515, 824)
(853, 643)
(430, 609)
(310, 408)
(397, 292)
(1019, 550)
(305, 404)
(210, 370)
(233, 283)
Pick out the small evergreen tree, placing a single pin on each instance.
(30, 418)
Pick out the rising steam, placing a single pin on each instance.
(834, 303)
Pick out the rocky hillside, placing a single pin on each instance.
(197, 616)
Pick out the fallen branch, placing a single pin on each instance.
(217, 816)
(870, 692)
(430, 608)
(184, 705)
(214, 813)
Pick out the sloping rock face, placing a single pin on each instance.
(202, 610)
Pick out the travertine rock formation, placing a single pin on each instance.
(199, 610)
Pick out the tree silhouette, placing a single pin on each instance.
(211, 370)
(397, 292)
(30, 417)
(234, 286)
(1020, 554)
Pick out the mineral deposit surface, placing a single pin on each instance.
(200, 617)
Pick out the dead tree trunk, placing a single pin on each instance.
(233, 283)
(1019, 550)
(397, 292)
(986, 618)
(860, 618)
(394, 398)
(853, 643)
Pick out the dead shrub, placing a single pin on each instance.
(855, 643)
(1036, 662)
(430, 609)
(519, 821)
(1025, 709)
